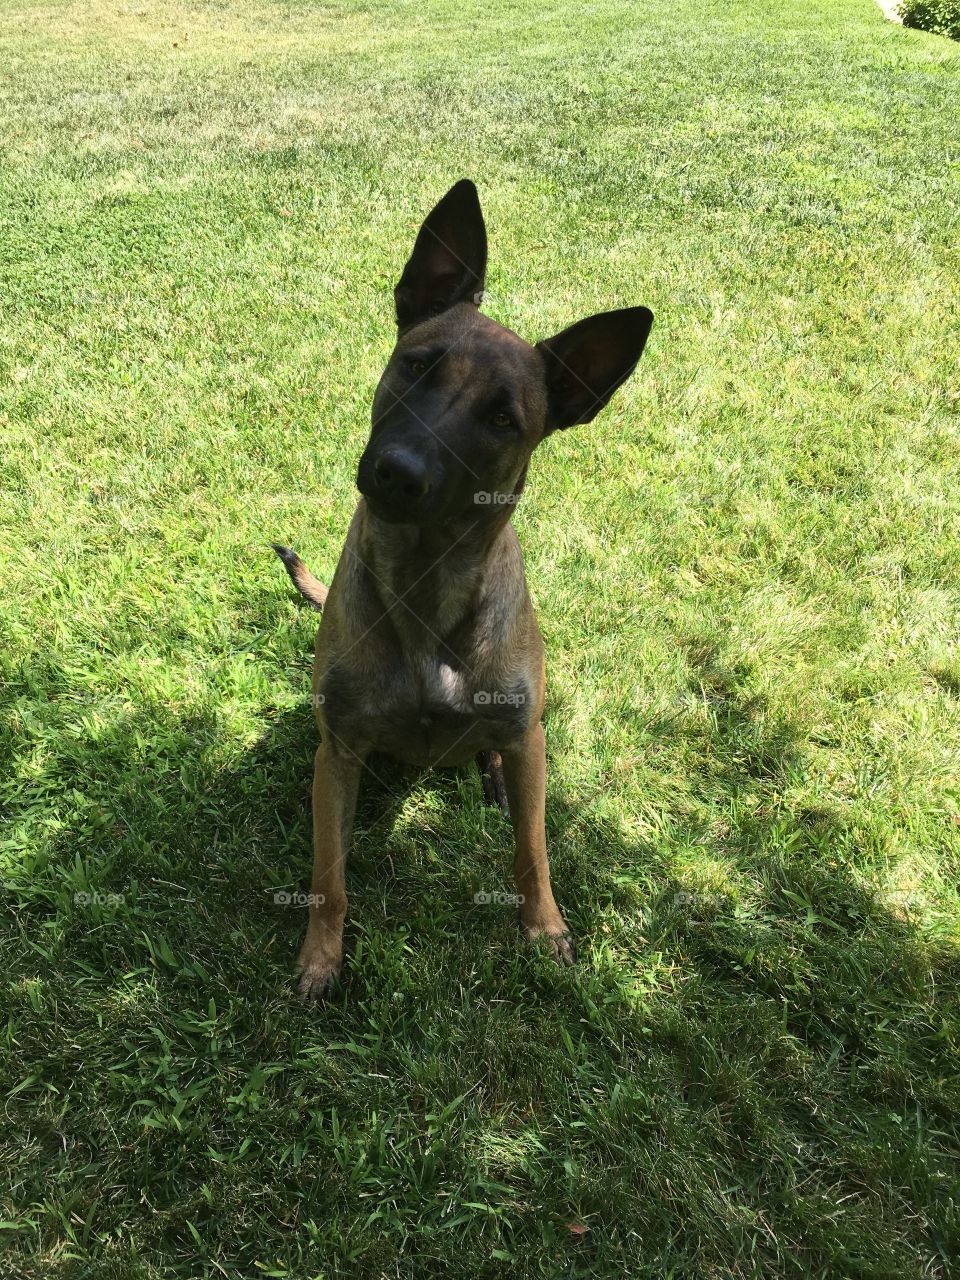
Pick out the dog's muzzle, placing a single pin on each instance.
(396, 481)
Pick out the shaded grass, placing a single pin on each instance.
(746, 577)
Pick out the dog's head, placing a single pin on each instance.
(464, 401)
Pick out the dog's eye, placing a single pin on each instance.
(502, 421)
(417, 367)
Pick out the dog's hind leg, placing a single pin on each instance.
(494, 786)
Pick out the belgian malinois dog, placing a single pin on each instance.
(429, 648)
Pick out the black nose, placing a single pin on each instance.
(401, 476)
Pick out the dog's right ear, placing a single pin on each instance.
(449, 259)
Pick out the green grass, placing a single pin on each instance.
(746, 574)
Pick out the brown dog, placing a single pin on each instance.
(429, 649)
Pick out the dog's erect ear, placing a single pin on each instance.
(587, 362)
(449, 258)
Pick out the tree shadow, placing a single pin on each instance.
(790, 1027)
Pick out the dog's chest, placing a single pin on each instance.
(427, 710)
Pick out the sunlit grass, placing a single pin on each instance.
(746, 574)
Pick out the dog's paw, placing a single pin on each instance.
(558, 943)
(563, 947)
(317, 972)
(316, 983)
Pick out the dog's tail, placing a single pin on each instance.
(311, 588)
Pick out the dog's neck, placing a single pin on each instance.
(430, 577)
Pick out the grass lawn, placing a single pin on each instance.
(746, 572)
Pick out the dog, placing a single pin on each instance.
(429, 649)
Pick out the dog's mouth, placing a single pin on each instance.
(390, 514)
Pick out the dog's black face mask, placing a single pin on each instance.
(458, 412)
(464, 401)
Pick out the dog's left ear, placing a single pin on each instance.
(587, 362)
(449, 259)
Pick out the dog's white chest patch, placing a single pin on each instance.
(450, 682)
(442, 690)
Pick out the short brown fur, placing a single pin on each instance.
(429, 649)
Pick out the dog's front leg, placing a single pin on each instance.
(525, 775)
(336, 780)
